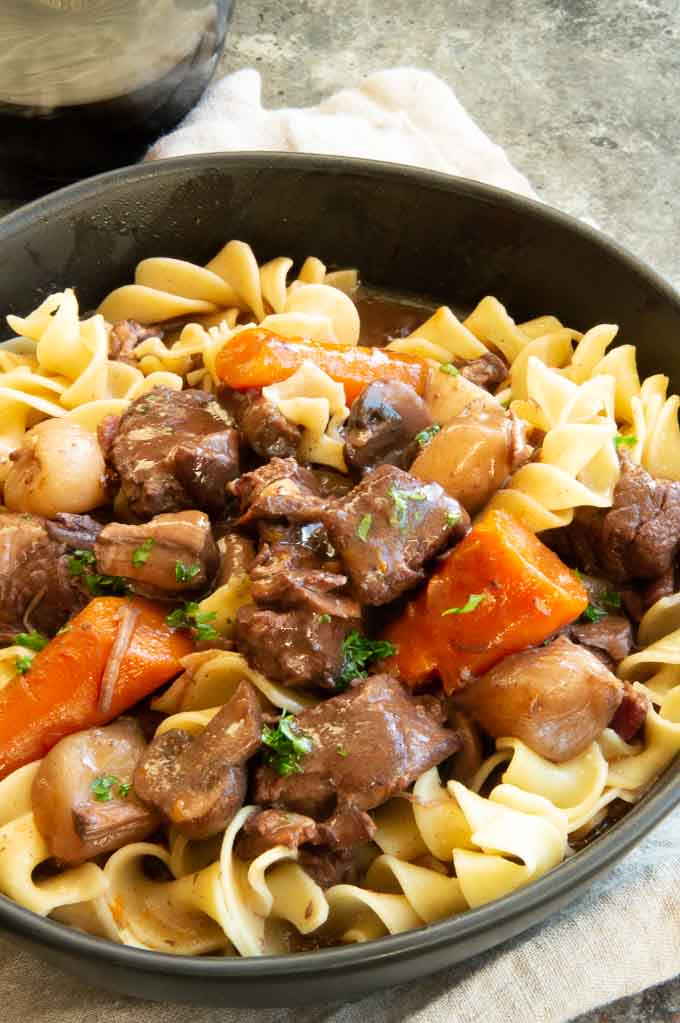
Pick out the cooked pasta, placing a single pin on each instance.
(211, 487)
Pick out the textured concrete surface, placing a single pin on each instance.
(583, 94)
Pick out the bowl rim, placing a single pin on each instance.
(554, 886)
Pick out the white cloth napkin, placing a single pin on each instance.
(402, 115)
(625, 934)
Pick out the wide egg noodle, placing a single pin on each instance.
(212, 677)
(432, 895)
(442, 337)
(577, 464)
(575, 786)
(314, 401)
(23, 849)
(439, 818)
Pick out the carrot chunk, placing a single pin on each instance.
(59, 694)
(258, 358)
(499, 591)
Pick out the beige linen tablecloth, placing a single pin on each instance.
(625, 934)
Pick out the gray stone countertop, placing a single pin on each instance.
(583, 95)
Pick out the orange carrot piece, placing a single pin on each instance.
(59, 694)
(515, 592)
(258, 358)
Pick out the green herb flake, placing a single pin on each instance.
(400, 499)
(22, 664)
(124, 789)
(611, 600)
(448, 367)
(364, 527)
(32, 640)
(625, 440)
(106, 585)
(425, 436)
(185, 573)
(97, 585)
(358, 652)
(473, 601)
(191, 617)
(341, 751)
(140, 555)
(593, 613)
(102, 787)
(451, 518)
(324, 619)
(80, 561)
(287, 745)
(575, 572)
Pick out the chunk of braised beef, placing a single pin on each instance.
(281, 489)
(382, 426)
(199, 782)
(266, 430)
(153, 429)
(328, 867)
(555, 698)
(36, 589)
(388, 528)
(165, 556)
(637, 538)
(489, 371)
(237, 554)
(75, 532)
(298, 648)
(205, 466)
(612, 636)
(266, 829)
(124, 337)
(631, 713)
(367, 744)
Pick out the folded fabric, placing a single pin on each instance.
(402, 115)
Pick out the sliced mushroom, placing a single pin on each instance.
(199, 782)
(171, 553)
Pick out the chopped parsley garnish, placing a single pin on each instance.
(401, 498)
(473, 601)
(287, 745)
(448, 367)
(593, 613)
(185, 573)
(324, 619)
(341, 751)
(106, 585)
(609, 601)
(140, 555)
(625, 440)
(32, 640)
(425, 436)
(97, 585)
(358, 651)
(191, 617)
(364, 527)
(102, 787)
(452, 518)
(22, 664)
(80, 561)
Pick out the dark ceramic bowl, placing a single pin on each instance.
(452, 239)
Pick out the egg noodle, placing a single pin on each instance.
(444, 848)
